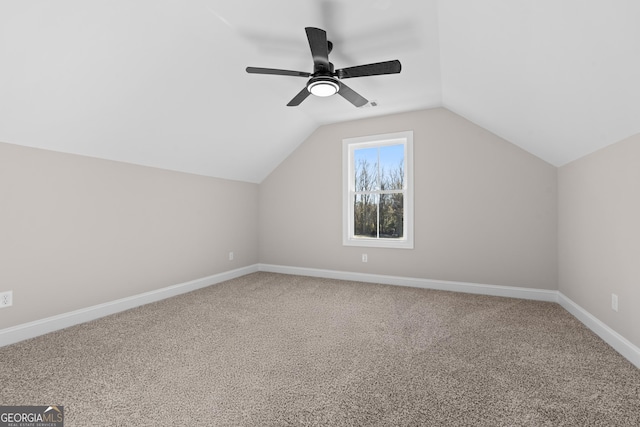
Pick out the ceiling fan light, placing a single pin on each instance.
(323, 86)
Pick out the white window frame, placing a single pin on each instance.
(349, 145)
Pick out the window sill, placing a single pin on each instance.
(378, 243)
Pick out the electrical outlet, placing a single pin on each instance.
(614, 302)
(364, 258)
(6, 299)
(230, 256)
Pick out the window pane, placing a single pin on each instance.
(392, 167)
(365, 215)
(366, 169)
(391, 216)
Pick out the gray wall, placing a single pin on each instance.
(77, 231)
(485, 210)
(599, 234)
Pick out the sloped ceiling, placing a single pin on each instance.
(163, 83)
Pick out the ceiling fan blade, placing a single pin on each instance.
(258, 70)
(379, 68)
(319, 48)
(351, 95)
(301, 96)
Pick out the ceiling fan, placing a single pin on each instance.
(325, 81)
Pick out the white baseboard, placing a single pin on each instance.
(443, 285)
(43, 326)
(611, 337)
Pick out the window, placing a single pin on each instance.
(378, 191)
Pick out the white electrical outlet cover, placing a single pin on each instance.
(6, 299)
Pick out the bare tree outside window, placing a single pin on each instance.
(379, 185)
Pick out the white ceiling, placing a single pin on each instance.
(163, 83)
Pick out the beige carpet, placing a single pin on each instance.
(276, 350)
